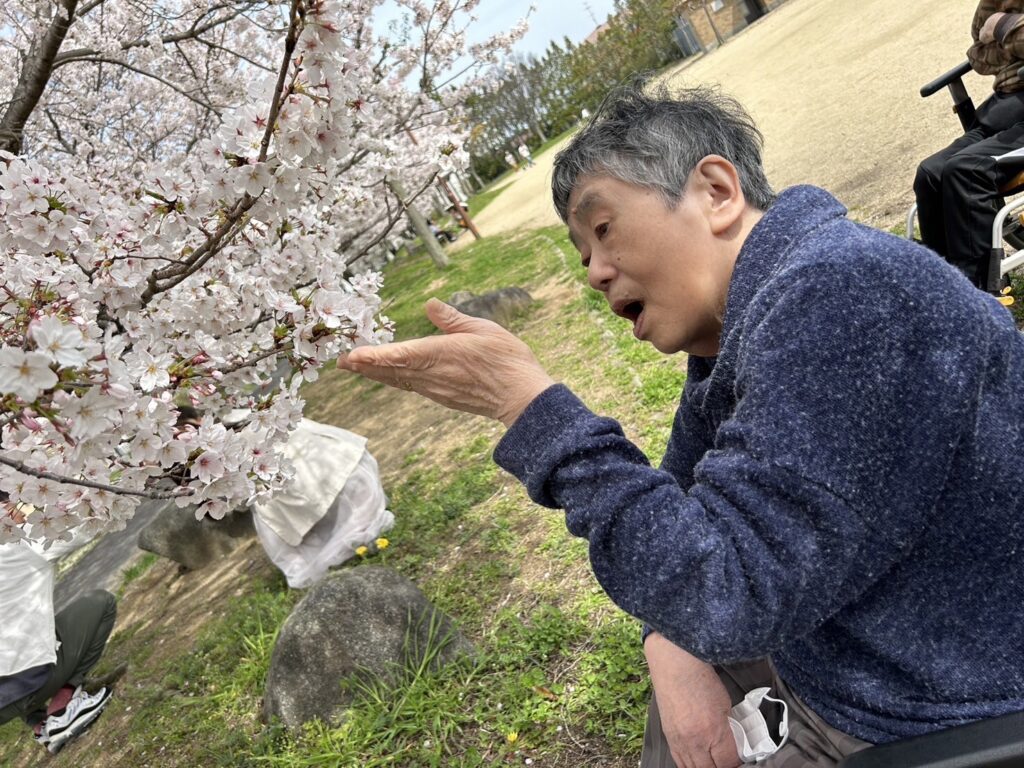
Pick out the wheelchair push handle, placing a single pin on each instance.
(962, 104)
(947, 79)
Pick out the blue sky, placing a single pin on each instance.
(552, 20)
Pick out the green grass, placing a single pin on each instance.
(130, 574)
(484, 266)
(559, 676)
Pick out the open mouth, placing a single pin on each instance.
(631, 310)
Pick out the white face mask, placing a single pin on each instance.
(753, 741)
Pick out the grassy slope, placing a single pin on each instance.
(560, 677)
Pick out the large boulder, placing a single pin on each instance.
(358, 623)
(501, 306)
(175, 533)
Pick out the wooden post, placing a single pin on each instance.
(711, 21)
(462, 212)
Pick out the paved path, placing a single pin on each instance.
(101, 567)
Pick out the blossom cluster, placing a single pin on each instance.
(212, 275)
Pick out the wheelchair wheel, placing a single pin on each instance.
(1013, 233)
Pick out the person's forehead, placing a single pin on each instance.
(588, 191)
(597, 189)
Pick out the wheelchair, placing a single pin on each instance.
(1008, 226)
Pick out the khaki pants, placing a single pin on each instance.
(82, 628)
(812, 742)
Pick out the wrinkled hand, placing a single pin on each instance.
(694, 707)
(988, 30)
(477, 366)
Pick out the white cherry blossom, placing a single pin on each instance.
(60, 342)
(25, 374)
(187, 224)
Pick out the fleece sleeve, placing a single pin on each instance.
(846, 420)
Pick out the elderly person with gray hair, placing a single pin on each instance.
(830, 553)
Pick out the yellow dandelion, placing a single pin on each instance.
(382, 543)
(361, 551)
(512, 737)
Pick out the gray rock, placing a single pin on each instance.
(177, 535)
(352, 625)
(461, 297)
(501, 306)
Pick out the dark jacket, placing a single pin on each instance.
(842, 488)
(1005, 55)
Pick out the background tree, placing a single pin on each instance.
(546, 96)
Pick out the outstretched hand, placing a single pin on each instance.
(476, 366)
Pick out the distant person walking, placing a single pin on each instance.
(44, 658)
(524, 152)
(511, 160)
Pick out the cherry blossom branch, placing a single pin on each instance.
(68, 147)
(392, 220)
(232, 52)
(226, 232)
(192, 33)
(154, 76)
(27, 470)
(233, 223)
(286, 60)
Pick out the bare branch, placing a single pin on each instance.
(35, 74)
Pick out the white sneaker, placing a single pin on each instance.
(81, 710)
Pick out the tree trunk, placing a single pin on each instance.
(540, 134)
(35, 74)
(419, 223)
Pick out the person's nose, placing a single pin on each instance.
(600, 271)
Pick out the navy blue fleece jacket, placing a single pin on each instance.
(842, 488)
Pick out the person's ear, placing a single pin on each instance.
(721, 193)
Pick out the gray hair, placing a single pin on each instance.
(656, 140)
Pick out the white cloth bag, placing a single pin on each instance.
(335, 504)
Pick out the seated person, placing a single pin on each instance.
(44, 658)
(441, 234)
(957, 189)
(837, 515)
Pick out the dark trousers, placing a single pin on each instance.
(82, 628)
(957, 189)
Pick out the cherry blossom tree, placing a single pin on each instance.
(184, 186)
